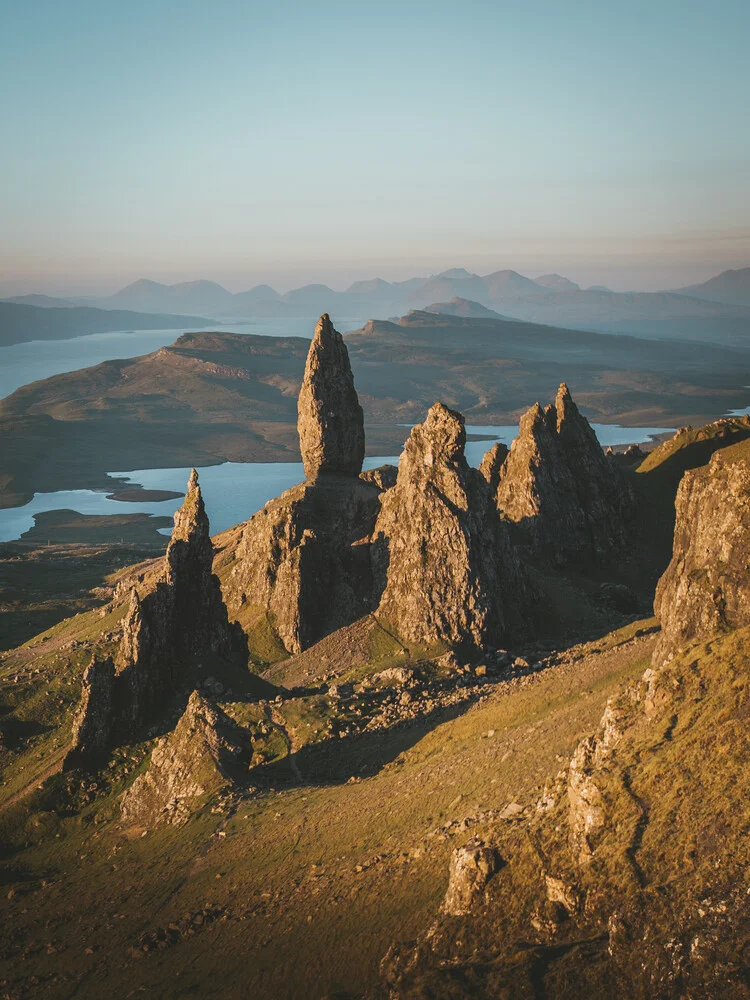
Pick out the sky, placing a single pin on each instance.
(289, 142)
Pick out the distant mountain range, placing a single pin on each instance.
(717, 310)
(729, 286)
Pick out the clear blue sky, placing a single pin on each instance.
(287, 142)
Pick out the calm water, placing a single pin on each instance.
(233, 491)
(24, 363)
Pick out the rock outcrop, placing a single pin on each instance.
(92, 725)
(492, 464)
(440, 552)
(207, 753)
(172, 636)
(303, 561)
(706, 587)
(384, 476)
(568, 503)
(180, 631)
(471, 868)
(330, 421)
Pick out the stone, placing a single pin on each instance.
(442, 557)
(330, 421)
(383, 477)
(586, 806)
(207, 753)
(395, 676)
(566, 502)
(491, 465)
(170, 634)
(706, 587)
(471, 868)
(303, 561)
(92, 725)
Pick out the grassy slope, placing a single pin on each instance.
(285, 867)
(668, 879)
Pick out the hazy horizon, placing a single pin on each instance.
(247, 145)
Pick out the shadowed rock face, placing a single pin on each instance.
(568, 502)
(304, 559)
(206, 753)
(706, 587)
(492, 464)
(92, 725)
(330, 421)
(172, 636)
(448, 570)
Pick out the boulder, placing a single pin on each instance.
(471, 868)
(330, 421)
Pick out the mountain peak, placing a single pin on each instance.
(558, 282)
(457, 273)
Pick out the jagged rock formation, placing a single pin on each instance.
(383, 477)
(303, 561)
(444, 559)
(567, 501)
(181, 628)
(471, 868)
(172, 636)
(587, 815)
(706, 587)
(330, 421)
(92, 725)
(492, 464)
(206, 753)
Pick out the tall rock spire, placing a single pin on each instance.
(330, 421)
(173, 634)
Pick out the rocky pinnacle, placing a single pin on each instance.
(330, 421)
(448, 567)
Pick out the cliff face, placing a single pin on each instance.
(330, 420)
(567, 501)
(706, 588)
(443, 558)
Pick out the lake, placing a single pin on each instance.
(233, 491)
